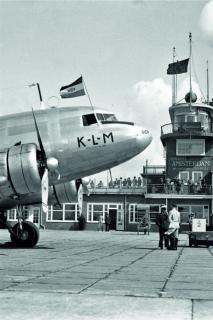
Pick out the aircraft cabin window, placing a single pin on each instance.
(89, 119)
(109, 117)
(100, 116)
(106, 117)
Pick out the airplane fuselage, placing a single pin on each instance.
(83, 144)
(81, 149)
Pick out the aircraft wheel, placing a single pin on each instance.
(27, 237)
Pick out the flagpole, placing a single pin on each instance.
(87, 92)
(207, 75)
(173, 81)
(89, 97)
(190, 66)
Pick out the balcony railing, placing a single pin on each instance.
(184, 189)
(193, 128)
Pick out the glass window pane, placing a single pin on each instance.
(97, 207)
(57, 215)
(70, 215)
(184, 213)
(69, 206)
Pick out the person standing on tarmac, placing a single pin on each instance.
(107, 222)
(162, 222)
(174, 226)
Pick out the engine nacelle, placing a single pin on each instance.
(67, 192)
(64, 193)
(19, 170)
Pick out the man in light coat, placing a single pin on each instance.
(174, 226)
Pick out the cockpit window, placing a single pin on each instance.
(100, 116)
(106, 117)
(89, 119)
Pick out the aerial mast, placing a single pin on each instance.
(207, 75)
(190, 67)
(173, 82)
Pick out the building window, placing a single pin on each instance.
(134, 215)
(94, 210)
(66, 212)
(190, 147)
(184, 176)
(201, 212)
(71, 211)
(36, 215)
(197, 176)
(11, 214)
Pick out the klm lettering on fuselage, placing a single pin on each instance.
(94, 140)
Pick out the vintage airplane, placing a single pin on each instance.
(45, 155)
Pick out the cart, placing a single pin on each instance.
(201, 238)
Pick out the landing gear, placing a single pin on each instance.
(22, 234)
(26, 236)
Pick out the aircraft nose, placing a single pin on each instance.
(144, 138)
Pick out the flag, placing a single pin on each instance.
(72, 90)
(178, 67)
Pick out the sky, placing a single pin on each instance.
(122, 49)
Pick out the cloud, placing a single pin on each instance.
(206, 21)
(149, 101)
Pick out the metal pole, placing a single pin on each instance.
(173, 81)
(190, 66)
(207, 74)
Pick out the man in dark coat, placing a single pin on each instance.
(107, 222)
(162, 222)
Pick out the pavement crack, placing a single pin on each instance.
(172, 269)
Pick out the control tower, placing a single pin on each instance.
(188, 145)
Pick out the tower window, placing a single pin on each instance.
(190, 147)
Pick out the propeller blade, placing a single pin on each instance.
(80, 197)
(39, 137)
(45, 190)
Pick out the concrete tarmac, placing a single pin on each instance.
(88, 275)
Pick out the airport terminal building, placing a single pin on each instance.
(186, 179)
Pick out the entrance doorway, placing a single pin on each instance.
(113, 215)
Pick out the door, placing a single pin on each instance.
(36, 215)
(120, 220)
(112, 214)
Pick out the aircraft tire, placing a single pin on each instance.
(29, 237)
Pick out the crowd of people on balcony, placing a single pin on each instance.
(180, 186)
(119, 183)
(166, 185)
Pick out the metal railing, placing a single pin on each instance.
(184, 189)
(181, 128)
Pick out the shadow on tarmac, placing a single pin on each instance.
(10, 245)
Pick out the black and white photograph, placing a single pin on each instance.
(106, 159)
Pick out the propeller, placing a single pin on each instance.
(47, 164)
(81, 187)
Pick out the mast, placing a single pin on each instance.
(207, 78)
(190, 67)
(173, 82)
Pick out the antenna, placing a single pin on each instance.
(173, 82)
(207, 79)
(190, 66)
(39, 92)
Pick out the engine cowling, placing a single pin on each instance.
(67, 192)
(64, 193)
(19, 170)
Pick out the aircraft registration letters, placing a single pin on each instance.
(93, 140)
